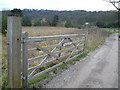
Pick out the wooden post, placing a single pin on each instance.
(60, 48)
(85, 41)
(1, 62)
(24, 60)
(14, 51)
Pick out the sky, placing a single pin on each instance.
(88, 5)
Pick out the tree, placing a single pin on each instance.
(100, 24)
(115, 3)
(16, 12)
(112, 25)
(37, 23)
(4, 15)
(68, 24)
(55, 20)
(4, 25)
(26, 21)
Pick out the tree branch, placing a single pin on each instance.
(114, 4)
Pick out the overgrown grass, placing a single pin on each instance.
(36, 80)
(4, 63)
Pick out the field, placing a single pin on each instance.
(46, 31)
(96, 37)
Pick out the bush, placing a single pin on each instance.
(68, 24)
(26, 21)
(37, 23)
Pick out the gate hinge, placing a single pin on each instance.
(23, 78)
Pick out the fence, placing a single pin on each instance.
(51, 52)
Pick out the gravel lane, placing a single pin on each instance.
(98, 70)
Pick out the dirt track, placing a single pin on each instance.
(98, 70)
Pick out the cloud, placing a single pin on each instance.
(90, 5)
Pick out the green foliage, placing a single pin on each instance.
(100, 24)
(37, 23)
(77, 17)
(16, 12)
(113, 30)
(26, 21)
(37, 79)
(4, 22)
(4, 81)
(68, 24)
(55, 20)
(4, 25)
(112, 25)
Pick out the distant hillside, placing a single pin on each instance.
(77, 18)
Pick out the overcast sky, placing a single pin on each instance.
(89, 5)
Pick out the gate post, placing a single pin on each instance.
(14, 51)
(24, 60)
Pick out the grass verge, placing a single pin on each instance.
(114, 30)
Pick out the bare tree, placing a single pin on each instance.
(115, 3)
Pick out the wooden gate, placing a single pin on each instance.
(38, 55)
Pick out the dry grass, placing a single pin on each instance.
(46, 31)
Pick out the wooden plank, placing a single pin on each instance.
(44, 38)
(24, 60)
(45, 50)
(56, 45)
(65, 50)
(57, 52)
(47, 63)
(73, 57)
(38, 66)
(73, 50)
(38, 74)
(73, 43)
(52, 52)
(48, 47)
(14, 50)
(37, 58)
